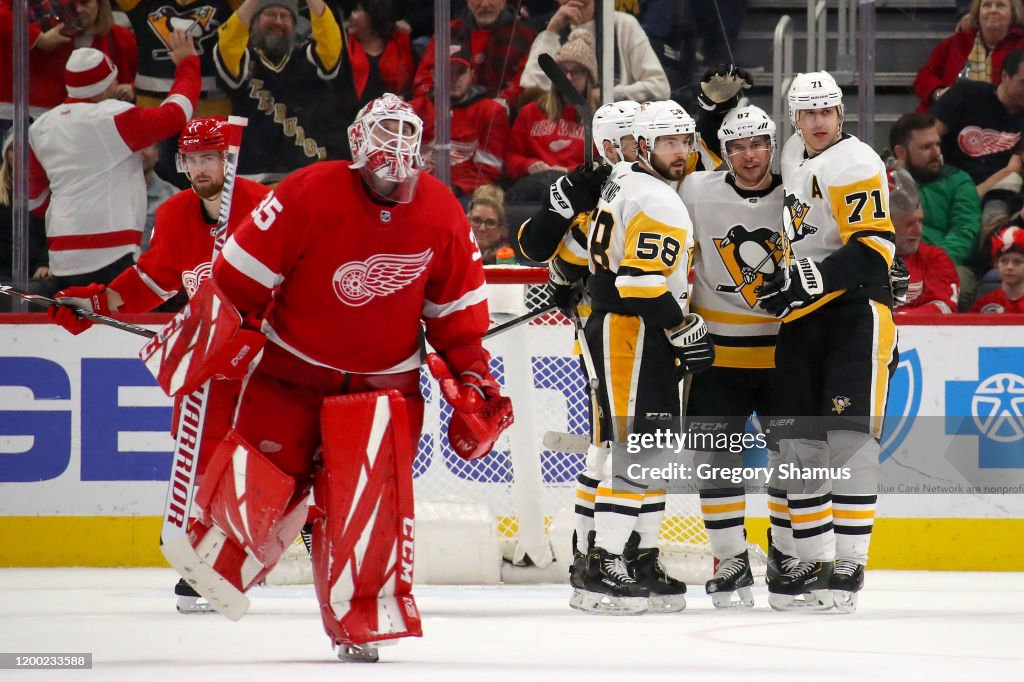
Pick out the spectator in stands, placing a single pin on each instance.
(55, 29)
(499, 42)
(280, 85)
(638, 73)
(976, 53)
(980, 125)
(38, 258)
(158, 191)
(153, 21)
(547, 137)
(85, 164)
(479, 130)
(934, 285)
(487, 218)
(380, 55)
(949, 199)
(1008, 254)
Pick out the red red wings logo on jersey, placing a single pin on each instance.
(975, 141)
(191, 279)
(357, 282)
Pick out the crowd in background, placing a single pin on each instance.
(299, 70)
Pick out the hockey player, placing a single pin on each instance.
(639, 335)
(736, 221)
(179, 257)
(837, 345)
(362, 260)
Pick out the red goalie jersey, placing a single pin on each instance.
(370, 273)
(182, 246)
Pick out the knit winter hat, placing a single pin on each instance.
(290, 5)
(88, 73)
(579, 48)
(1009, 239)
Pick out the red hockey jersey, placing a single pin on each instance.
(352, 278)
(934, 283)
(179, 255)
(998, 302)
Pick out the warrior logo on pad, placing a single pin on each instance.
(356, 283)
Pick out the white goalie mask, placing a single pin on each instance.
(742, 123)
(613, 122)
(815, 90)
(385, 141)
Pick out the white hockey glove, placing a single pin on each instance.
(783, 294)
(722, 84)
(692, 344)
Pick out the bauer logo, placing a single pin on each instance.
(991, 408)
(903, 404)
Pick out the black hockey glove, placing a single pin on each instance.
(692, 345)
(722, 85)
(565, 291)
(781, 295)
(899, 281)
(578, 191)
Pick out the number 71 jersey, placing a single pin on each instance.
(640, 241)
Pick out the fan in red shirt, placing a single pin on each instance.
(1008, 254)
(179, 257)
(934, 285)
(362, 261)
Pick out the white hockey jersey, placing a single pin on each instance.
(639, 244)
(738, 245)
(834, 198)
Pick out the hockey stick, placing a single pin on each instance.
(561, 83)
(573, 443)
(522, 319)
(46, 302)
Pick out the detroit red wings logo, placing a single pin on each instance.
(358, 282)
(191, 279)
(975, 141)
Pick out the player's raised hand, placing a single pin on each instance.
(721, 85)
(182, 45)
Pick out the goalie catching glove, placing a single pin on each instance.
(92, 298)
(788, 290)
(722, 86)
(480, 414)
(578, 191)
(692, 344)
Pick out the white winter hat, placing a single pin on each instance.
(88, 73)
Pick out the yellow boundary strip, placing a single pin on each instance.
(897, 544)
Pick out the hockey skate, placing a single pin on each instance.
(609, 589)
(804, 587)
(190, 601)
(847, 580)
(778, 563)
(667, 593)
(358, 653)
(732, 577)
(577, 569)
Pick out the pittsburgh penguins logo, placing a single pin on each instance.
(197, 22)
(797, 226)
(750, 257)
(840, 403)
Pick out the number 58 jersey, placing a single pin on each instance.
(639, 244)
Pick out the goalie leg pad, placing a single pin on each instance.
(248, 512)
(363, 544)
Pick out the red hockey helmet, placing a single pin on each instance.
(202, 135)
(388, 152)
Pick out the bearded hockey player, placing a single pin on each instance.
(639, 338)
(180, 257)
(836, 350)
(737, 219)
(362, 260)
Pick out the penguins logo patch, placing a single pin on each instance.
(750, 257)
(840, 403)
(797, 226)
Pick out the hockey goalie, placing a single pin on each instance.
(357, 261)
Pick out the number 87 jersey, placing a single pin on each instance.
(640, 244)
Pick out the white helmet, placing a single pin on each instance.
(815, 90)
(744, 122)
(655, 119)
(384, 154)
(612, 122)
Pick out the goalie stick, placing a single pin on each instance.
(46, 302)
(560, 82)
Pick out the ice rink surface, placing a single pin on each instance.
(910, 626)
